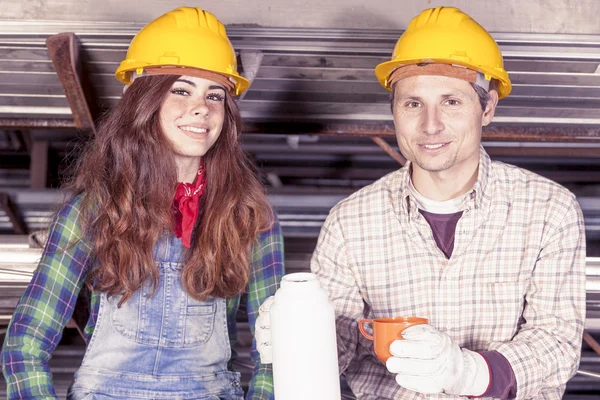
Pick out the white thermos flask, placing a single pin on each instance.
(305, 364)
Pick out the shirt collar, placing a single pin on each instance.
(475, 198)
(451, 206)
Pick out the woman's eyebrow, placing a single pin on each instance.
(186, 81)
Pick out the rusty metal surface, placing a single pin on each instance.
(63, 49)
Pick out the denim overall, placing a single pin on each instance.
(164, 346)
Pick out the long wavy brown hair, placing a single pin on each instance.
(128, 178)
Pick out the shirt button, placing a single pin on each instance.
(448, 327)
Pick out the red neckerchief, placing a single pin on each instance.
(185, 206)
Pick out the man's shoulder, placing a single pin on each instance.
(374, 196)
(518, 182)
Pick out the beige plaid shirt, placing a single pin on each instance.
(515, 282)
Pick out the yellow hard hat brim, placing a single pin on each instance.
(385, 69)
(241, 83)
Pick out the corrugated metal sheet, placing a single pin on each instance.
(310, 74)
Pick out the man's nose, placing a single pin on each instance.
(431, 123)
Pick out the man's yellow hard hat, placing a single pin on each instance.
(446, 35)
(185, 37)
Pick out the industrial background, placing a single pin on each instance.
(317, 122)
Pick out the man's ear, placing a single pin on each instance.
(490, 108)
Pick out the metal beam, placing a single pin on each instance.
(389, 150)
(544, 134)
(309, 74)
(36, 123)
(294, 206)
(63, 49)
(368, 129)
(264, 145)
(11, 211)
(383, 129)
(38, 166)
(25, 140)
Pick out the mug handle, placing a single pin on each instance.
(362, 329)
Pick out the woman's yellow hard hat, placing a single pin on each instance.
(186, 37)
(446, 35)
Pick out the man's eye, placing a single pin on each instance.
(413, 104)
(452, 102)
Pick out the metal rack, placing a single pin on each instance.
(316, 121)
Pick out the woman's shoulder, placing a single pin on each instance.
(69, 218)
(267, 253)
(273, 228)
(72, 208)
(269, 237)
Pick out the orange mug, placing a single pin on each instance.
(386, 330)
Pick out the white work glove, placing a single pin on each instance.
(427, 361)
(262, 334)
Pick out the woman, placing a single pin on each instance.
(167, 262)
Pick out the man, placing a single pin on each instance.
(491, 254)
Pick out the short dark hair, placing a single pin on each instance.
(484, 96)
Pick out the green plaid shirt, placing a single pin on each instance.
(49, 300)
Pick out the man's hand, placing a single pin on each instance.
(427, 361)
(263, 331)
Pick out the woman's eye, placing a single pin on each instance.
(216, 97)
(180, 91)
